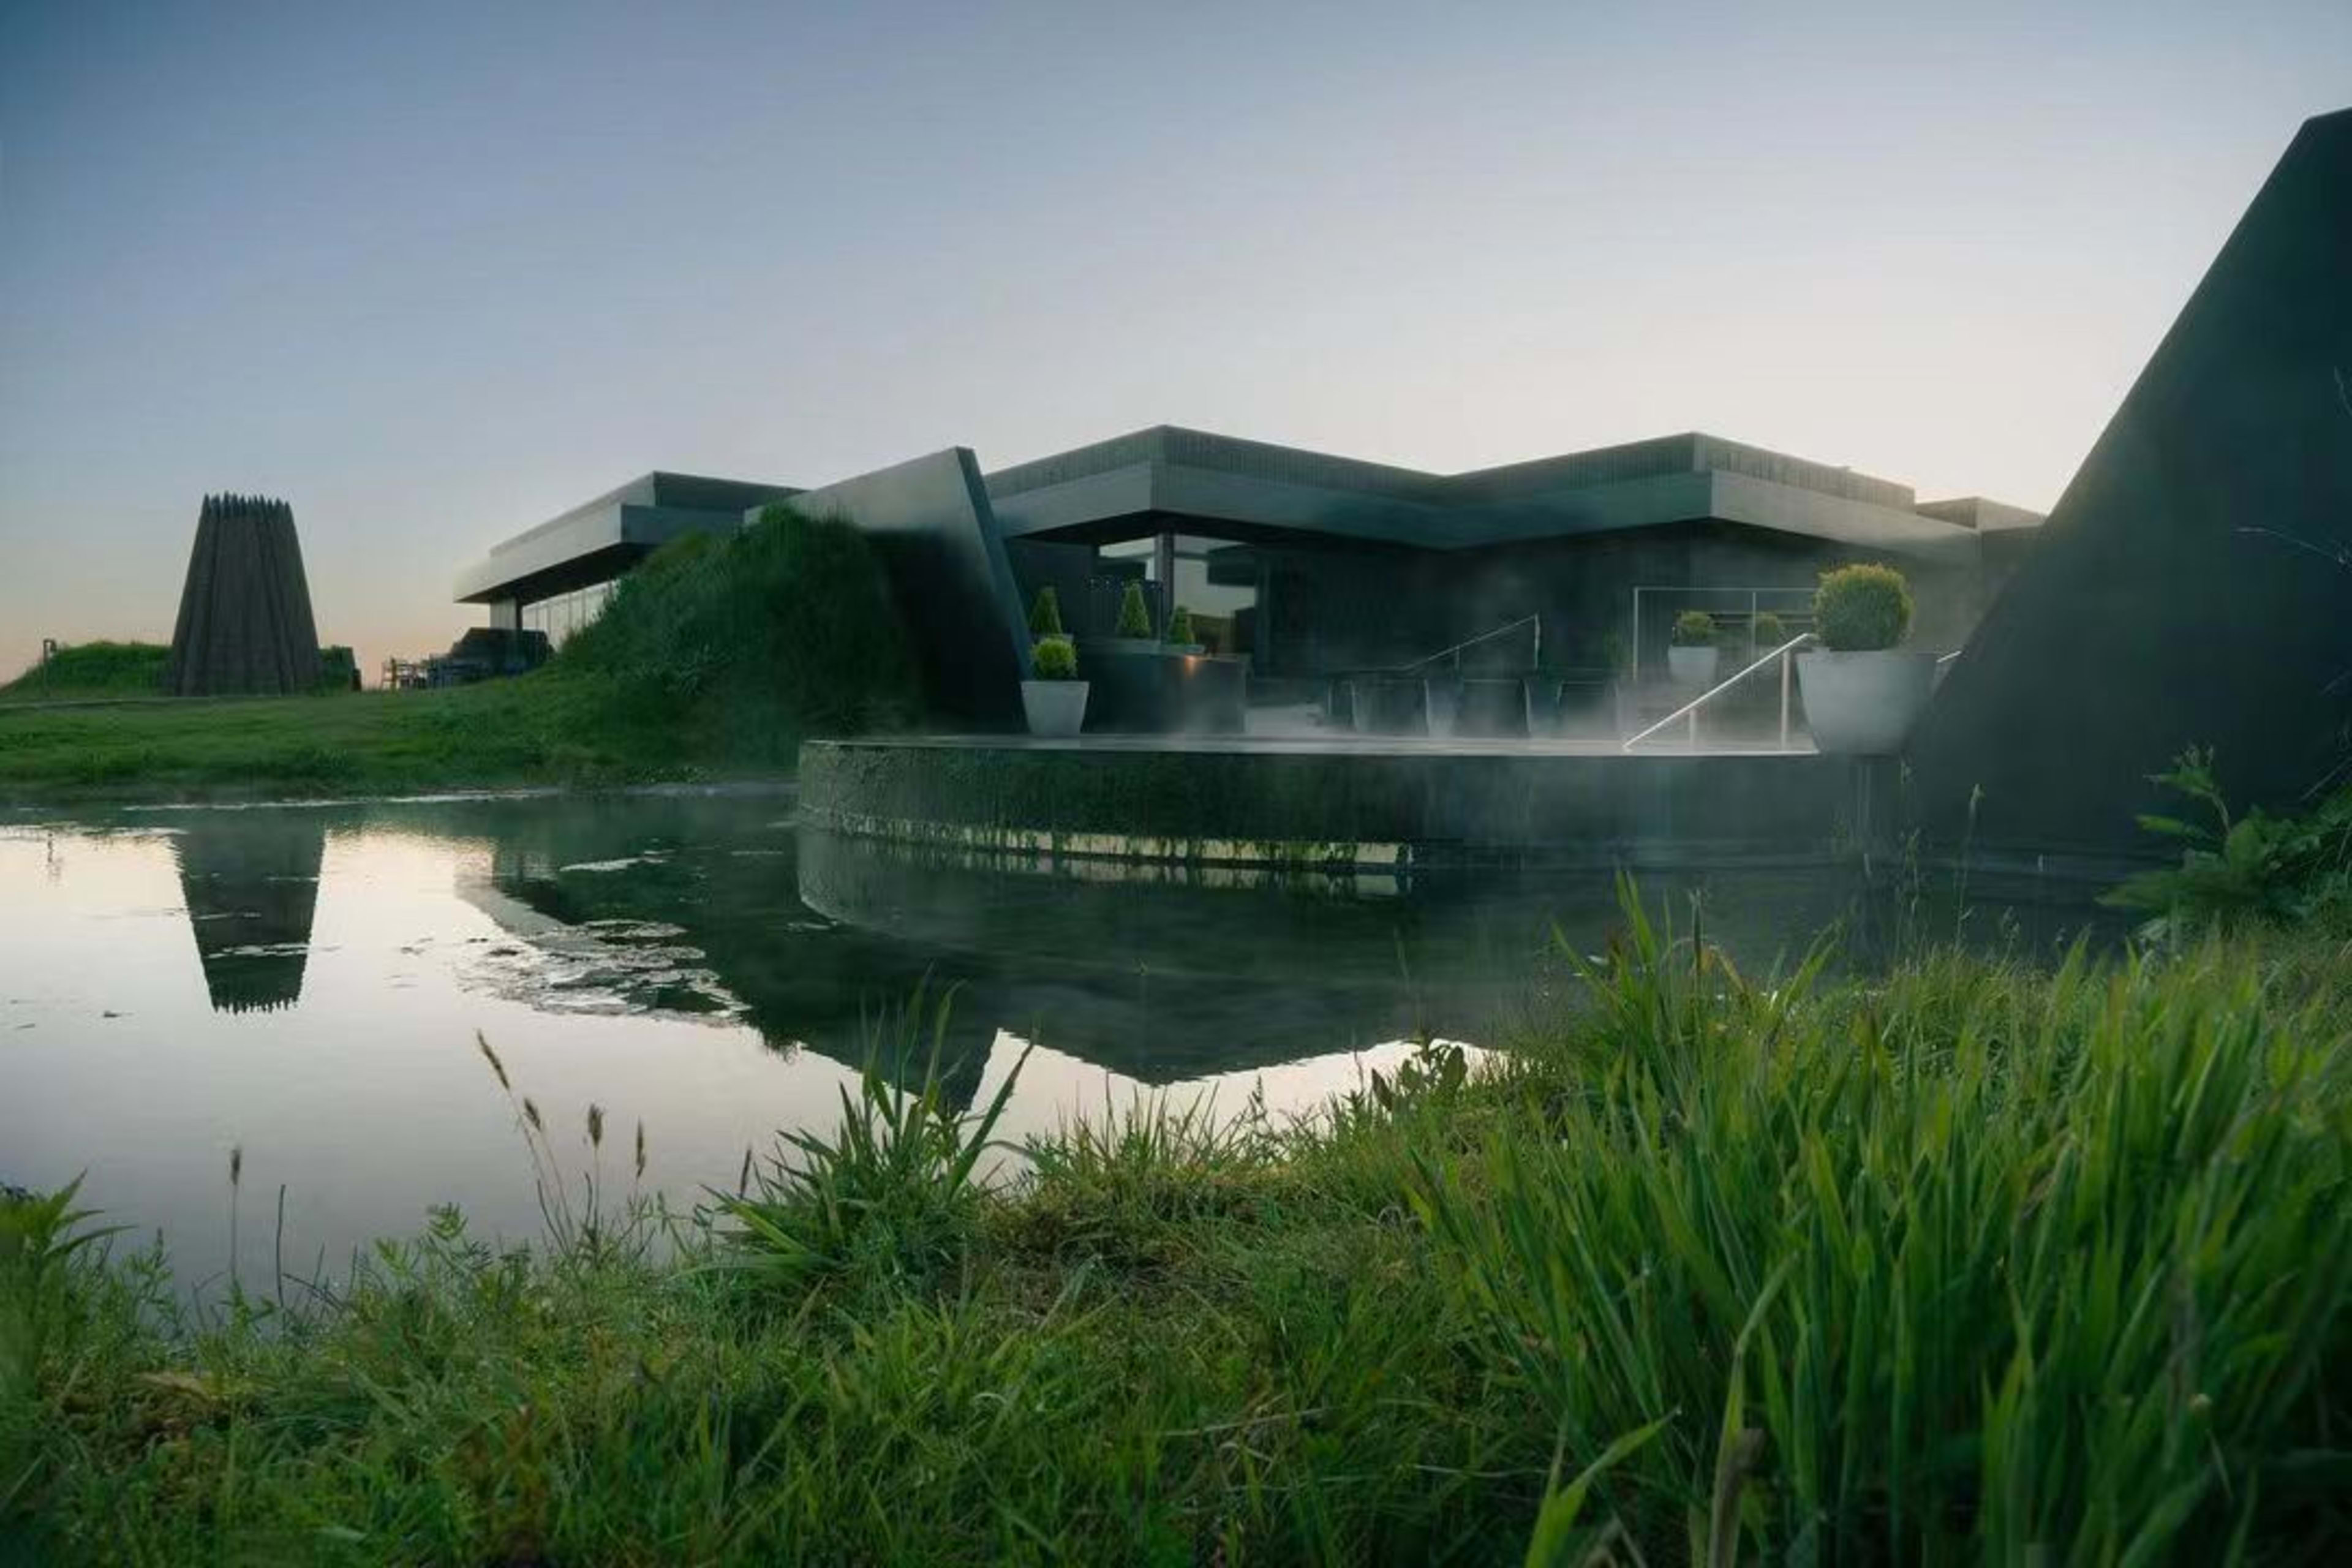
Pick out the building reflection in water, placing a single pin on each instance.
(250, 879)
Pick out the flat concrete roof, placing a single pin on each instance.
(1151, 478)
(623, 523)
(1090, 490)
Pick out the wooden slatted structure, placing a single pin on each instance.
(245, 622)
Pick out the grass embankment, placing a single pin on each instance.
(538, 729)
(712, 660)
(93, 669)
(1973, 1264)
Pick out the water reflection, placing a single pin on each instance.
(250, 880)
(704, 965)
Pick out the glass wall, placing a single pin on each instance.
(1223, 608)
(564, 614)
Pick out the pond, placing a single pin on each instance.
(307, 985)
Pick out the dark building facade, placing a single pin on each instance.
(1305, 563)
(555, 577)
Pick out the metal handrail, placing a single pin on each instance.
(1690, 710)
(1455, 652)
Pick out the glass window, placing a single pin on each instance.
(561, 615)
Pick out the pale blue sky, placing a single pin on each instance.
(435, 272)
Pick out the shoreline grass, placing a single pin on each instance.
(1969, 1263)
(542, 728)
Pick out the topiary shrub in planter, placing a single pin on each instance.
(1046, 613)
(1134, 616)
(1694, 649)
(1054, 698)
(1861, 691)
(1770, 632)
(1180, 631)
(1861, 609)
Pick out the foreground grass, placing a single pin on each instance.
(541, 729)
(1973, 1264)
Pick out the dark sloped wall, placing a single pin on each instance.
(2157, 613)
(930, 523)
(244, 613)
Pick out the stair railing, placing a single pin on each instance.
(1455, 653)
(1688, 712)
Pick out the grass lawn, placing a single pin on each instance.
(539, 729)
(1972, 1264)
(713, 659)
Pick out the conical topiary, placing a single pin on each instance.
(1134, 619)
(1046, 613)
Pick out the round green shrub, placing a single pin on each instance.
(1045, 615)
(1180, 628)
(1860, 609)
(1134, 619)
(1693, 628)
(1054, 659)
(1770, 631)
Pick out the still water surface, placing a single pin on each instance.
(306, 984)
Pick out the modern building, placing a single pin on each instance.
(555, 577)
(1305, 564)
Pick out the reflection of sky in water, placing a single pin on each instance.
(362, 1089)
(179, 986)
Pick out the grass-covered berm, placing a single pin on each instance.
(712, 661)
(1974, 1262)
(92, 669)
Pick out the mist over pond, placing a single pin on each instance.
(307, 983)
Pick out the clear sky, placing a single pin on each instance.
(435, 272)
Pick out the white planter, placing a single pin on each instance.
(1692, 666)
(1864, 704)
(1055, 706)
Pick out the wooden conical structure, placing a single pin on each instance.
(245, 615)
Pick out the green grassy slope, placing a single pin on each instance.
(92, 669)
(712, 660)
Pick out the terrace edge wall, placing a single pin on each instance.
(1246, 804)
